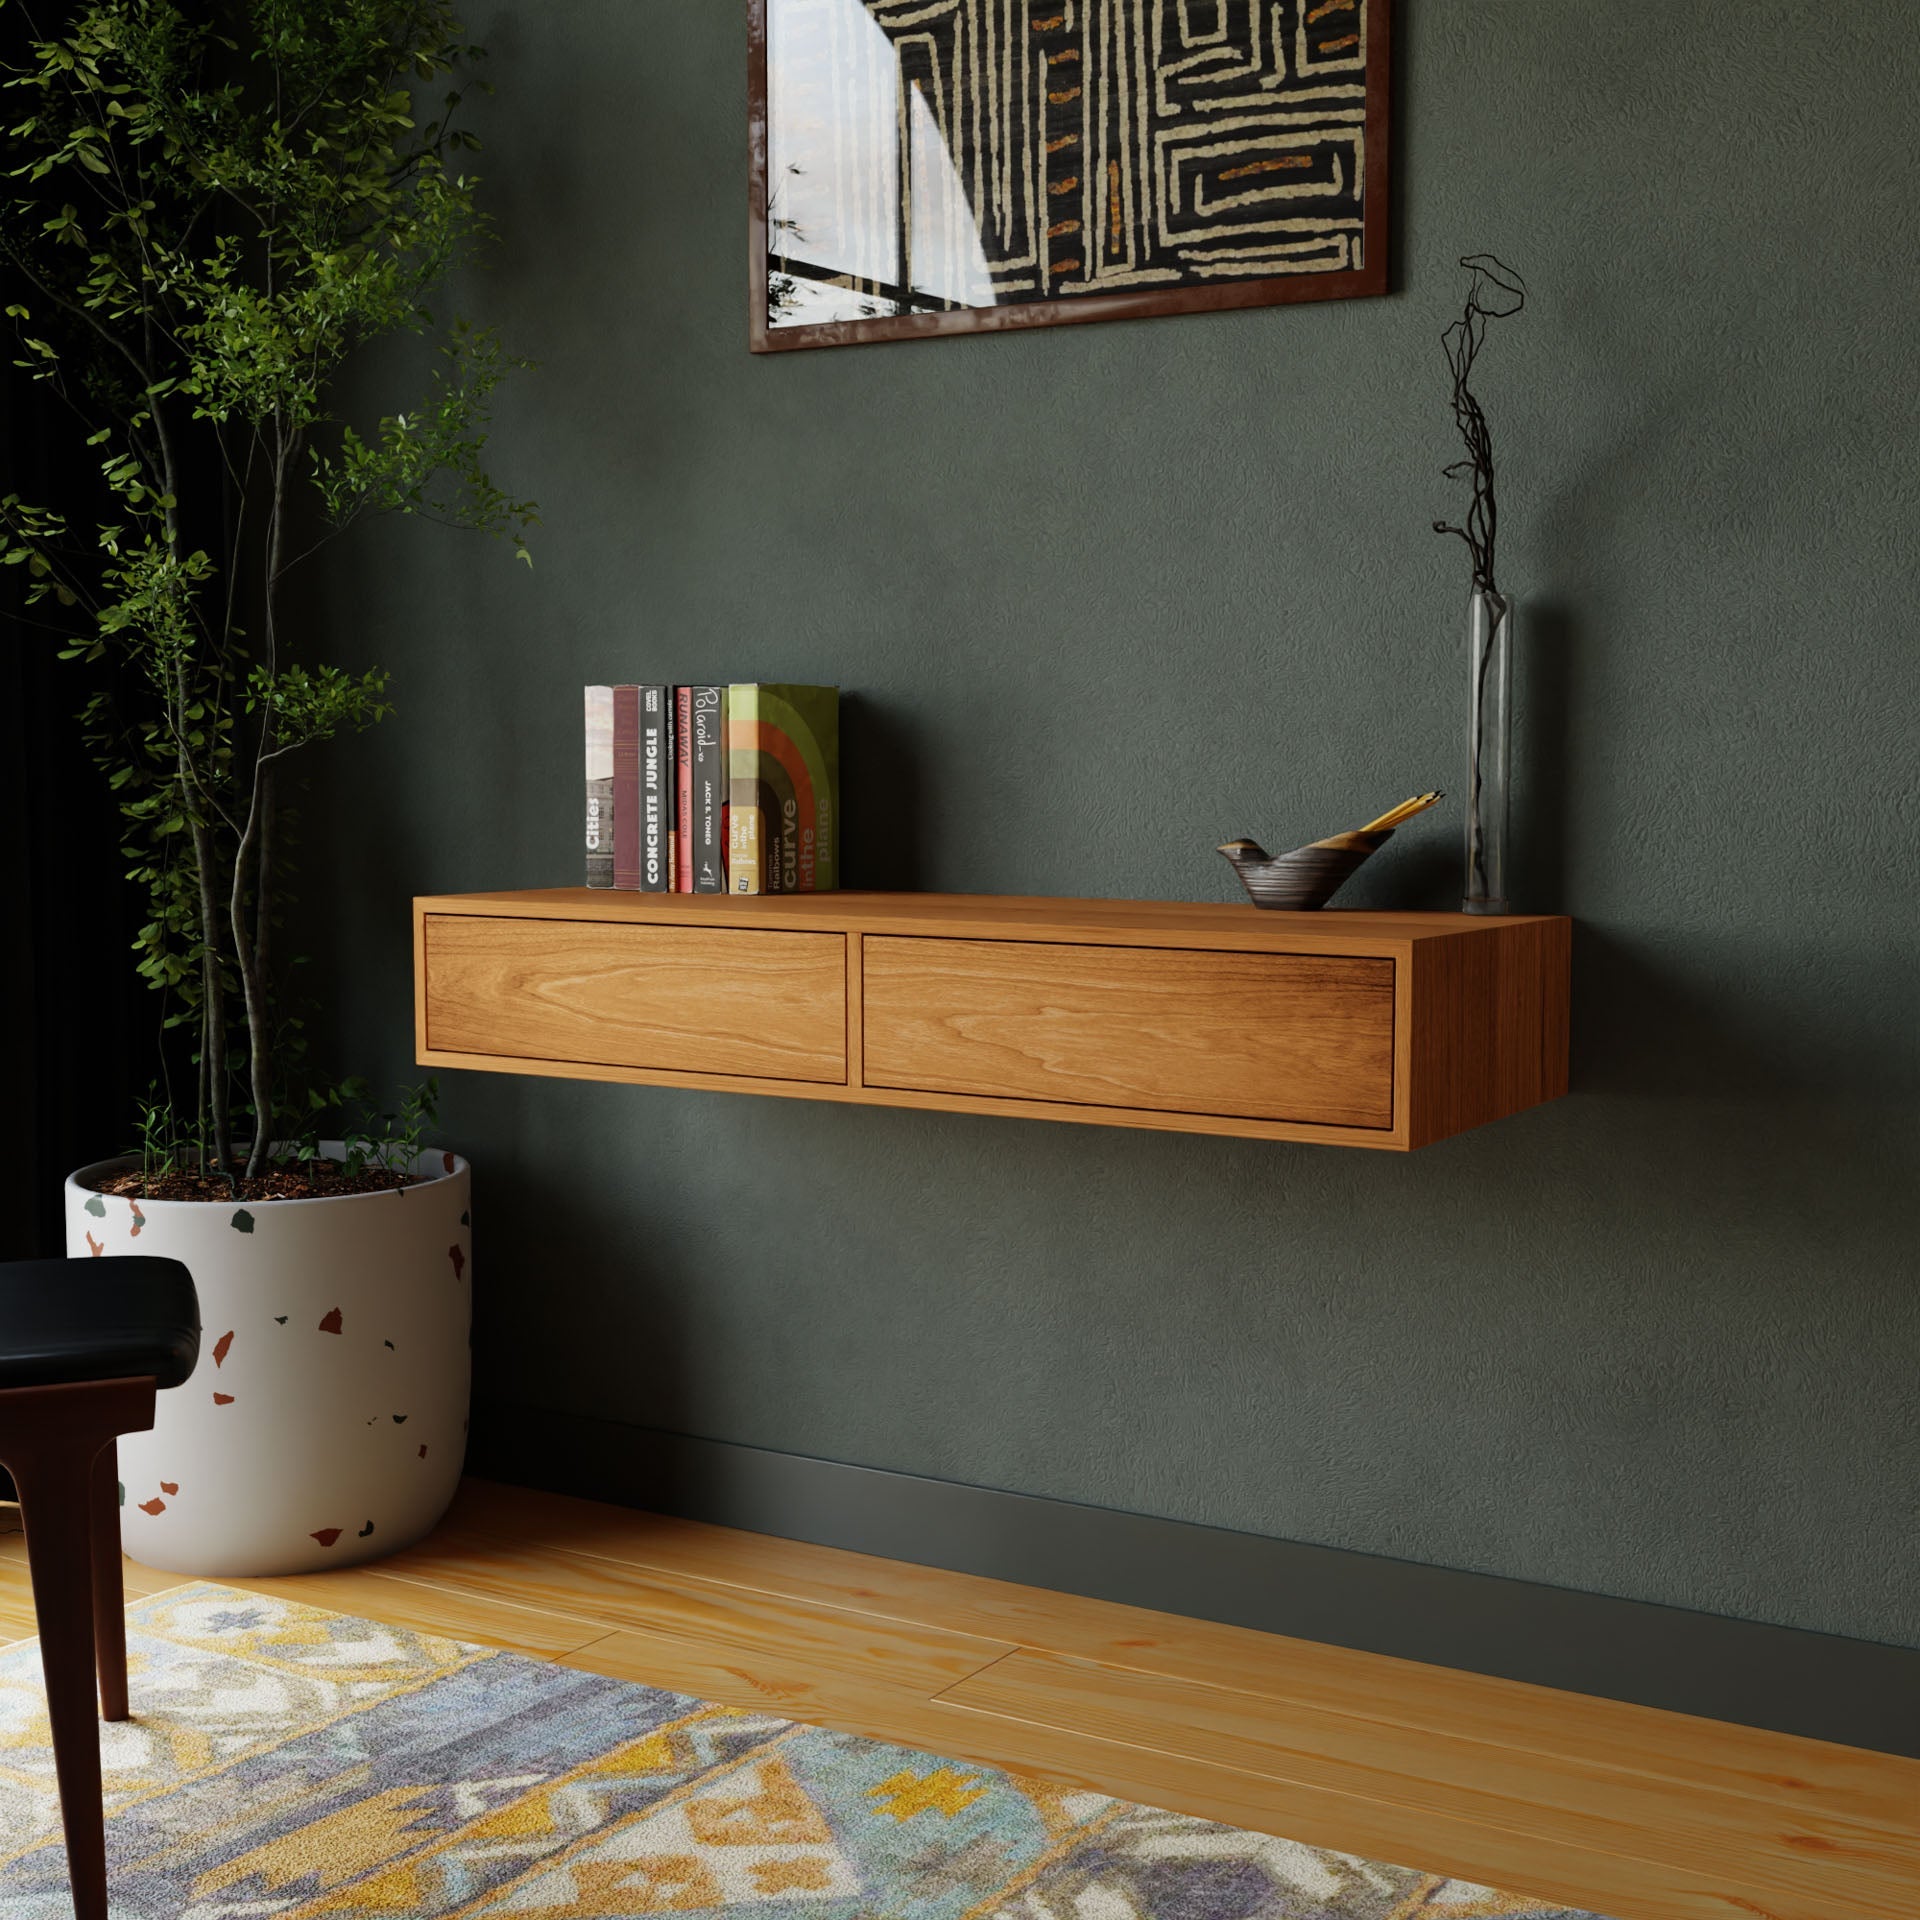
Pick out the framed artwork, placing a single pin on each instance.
(951, 166)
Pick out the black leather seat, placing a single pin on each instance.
(84, 1347)
(105, 1319)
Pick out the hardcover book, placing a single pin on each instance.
(673, 792)
(683, 789)
(626, 787)
(783, 779)
(656, 784)
(599, 786)
(709, 789)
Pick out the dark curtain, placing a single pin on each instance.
(78, 1028)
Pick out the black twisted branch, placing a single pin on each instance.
(1495, 292)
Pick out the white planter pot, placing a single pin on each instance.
(326, 1421)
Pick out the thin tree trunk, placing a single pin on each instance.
(253, 986)
(200, 1102)
(262, 940)
(247, 858)
(263, 898)
(213, 1010)
(213, 1085)
(251, 856)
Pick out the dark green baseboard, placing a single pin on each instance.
(1854, 1691)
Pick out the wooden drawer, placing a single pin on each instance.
(709, 1000)
(1254, 1036)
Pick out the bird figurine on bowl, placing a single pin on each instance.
(1310, 876)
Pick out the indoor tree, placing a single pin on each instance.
(207, 211)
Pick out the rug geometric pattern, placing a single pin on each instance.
(289, 1764)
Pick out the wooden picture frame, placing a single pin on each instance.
(1222, 93)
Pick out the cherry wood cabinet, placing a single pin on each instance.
(728, 1000)
(1362, 1029)
(1261, 1036)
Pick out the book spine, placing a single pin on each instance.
(772, 878)
(656, 783)
(599, 710)
(671, 775)
(626, 787)
(799, 787)
(683, 789)
(746, 829)
(824, 869)
(813, 716)
(709, 789)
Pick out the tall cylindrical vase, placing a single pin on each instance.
(1489, 700)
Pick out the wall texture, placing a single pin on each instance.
(1105, 596)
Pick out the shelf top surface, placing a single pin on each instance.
(985, 916)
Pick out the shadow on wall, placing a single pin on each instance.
(1549, 639)
(1725, 1024)
(882, 774)
(557, 1232)
(1669, 1013)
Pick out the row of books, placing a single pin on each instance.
(725, 789)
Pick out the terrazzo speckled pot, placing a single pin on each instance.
(326, 1421)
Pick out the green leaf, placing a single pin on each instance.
(244, 256)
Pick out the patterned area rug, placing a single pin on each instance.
(286, 1761)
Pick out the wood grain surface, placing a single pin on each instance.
(745, 1001)
(1163, 1120)
(1681, 1749)
(1601, 1806)
(1256, 1036)
(990, 916)
(1488, 1026)
(1378, 1030)
(1816, 1856)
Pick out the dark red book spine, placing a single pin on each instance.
(626, 787)
(683, 785)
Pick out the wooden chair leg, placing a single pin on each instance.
(50, 1440)
(109, 1596)
(56, 1504)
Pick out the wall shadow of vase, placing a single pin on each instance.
(1548, 640)
(882, 824)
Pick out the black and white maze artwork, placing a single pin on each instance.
(928, 155)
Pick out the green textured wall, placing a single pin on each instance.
(1108, 595)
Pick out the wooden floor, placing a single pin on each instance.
(1629, 1812)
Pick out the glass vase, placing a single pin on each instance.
(1489, 700)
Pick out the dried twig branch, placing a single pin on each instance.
(1495, 292)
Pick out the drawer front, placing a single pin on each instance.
(1248, 1035)
(719, 1000)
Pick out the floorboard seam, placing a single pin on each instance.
(966, 1679)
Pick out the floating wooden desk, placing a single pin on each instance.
(1355, 1029)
